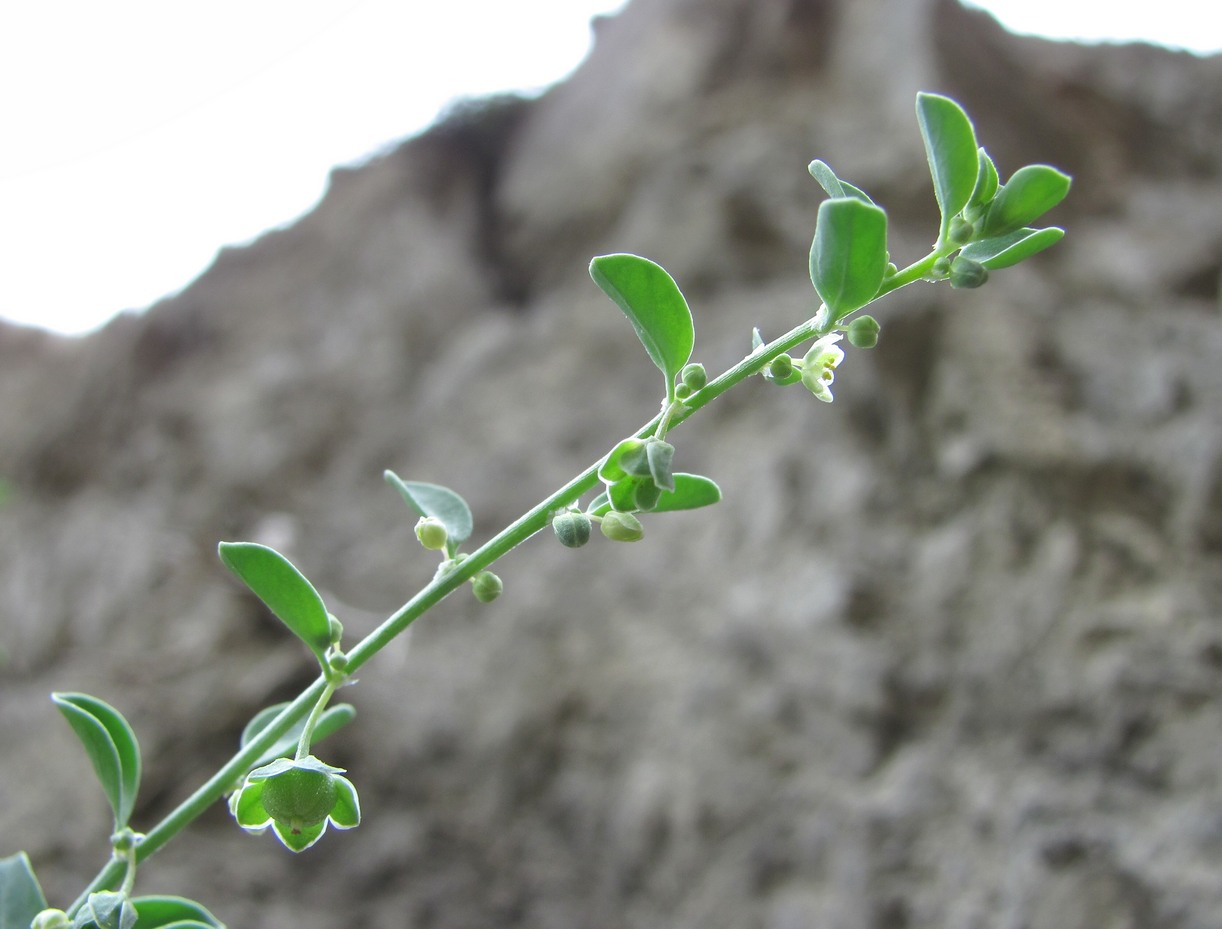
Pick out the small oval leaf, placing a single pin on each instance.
(111, 746)
(440, 502)
(1029, 193)
(950, 145)
(1007, 250)
(654, 305)
(21, 899)
(283, 589)
(333, 718)
(169, 912)
(849, 255)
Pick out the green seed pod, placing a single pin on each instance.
(432, 534)
(299, 797)
(966, 274)
(694, 376)
(961, 231)
(621, 527)
(572, 529)
(863, 332)
(486, 586)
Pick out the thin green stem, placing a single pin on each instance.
(509, 538)
(307, 731)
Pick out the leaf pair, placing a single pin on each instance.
(967, 188)
(111, 746)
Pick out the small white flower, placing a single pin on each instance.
(819, 366)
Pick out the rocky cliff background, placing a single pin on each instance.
(948, 655)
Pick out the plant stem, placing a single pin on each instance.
(440, 587)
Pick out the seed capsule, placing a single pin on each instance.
(966, 274)
(863, 332)
(432, 534)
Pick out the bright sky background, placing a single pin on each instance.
(143, 135)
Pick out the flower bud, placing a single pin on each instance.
(966, 274)
(572, 529)
(781, 371)
(682, 391)
(961, 231)
(432, 534)
(863, 332)
(621, 527)
(51, 919)
(940, 268)
(486, 586)
(694, 376)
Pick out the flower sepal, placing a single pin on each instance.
(298, 798)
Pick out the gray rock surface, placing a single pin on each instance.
(948, 655)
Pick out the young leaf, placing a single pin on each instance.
(438, 501)
(168, 912)
(21, 898)
(111, 746)
(283, 589)
(333, 718)
(985, 189)
(1011, 248)
(691, 491)
(1029, 193)
(950, 145)
(651, 300)
(834, 186)
(849, 255)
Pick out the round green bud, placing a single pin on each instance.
(891, 270)
(621, 527)
(338, 662)
(682, 391)
(486, 586)
(781, 371)
(961, 231)
(940, 268)
(966, 274)
(863, 332)
(336, 628)
(572, 529)
(432, 534)
(299, 797)
(51, 919)
(694, 376)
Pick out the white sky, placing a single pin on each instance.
(143, 135)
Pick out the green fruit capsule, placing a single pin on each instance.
(863, 332)
(966, 274)
(432, 533)
(486, 586)
(299, 797)
(621, 527)
(961, 231)
(572, 529)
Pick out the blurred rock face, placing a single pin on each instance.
(950, 652)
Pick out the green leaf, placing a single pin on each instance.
(168, 912)
(629, 457)
(333, 718)
(438, 501)
(1011, 248)
(21, 898)
(950, 145)
(1029, 193)
(833, 185)
(654, 305)
(985, 189)
(849, 255)
(283, 589)
(691, 491)
(111, 746)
